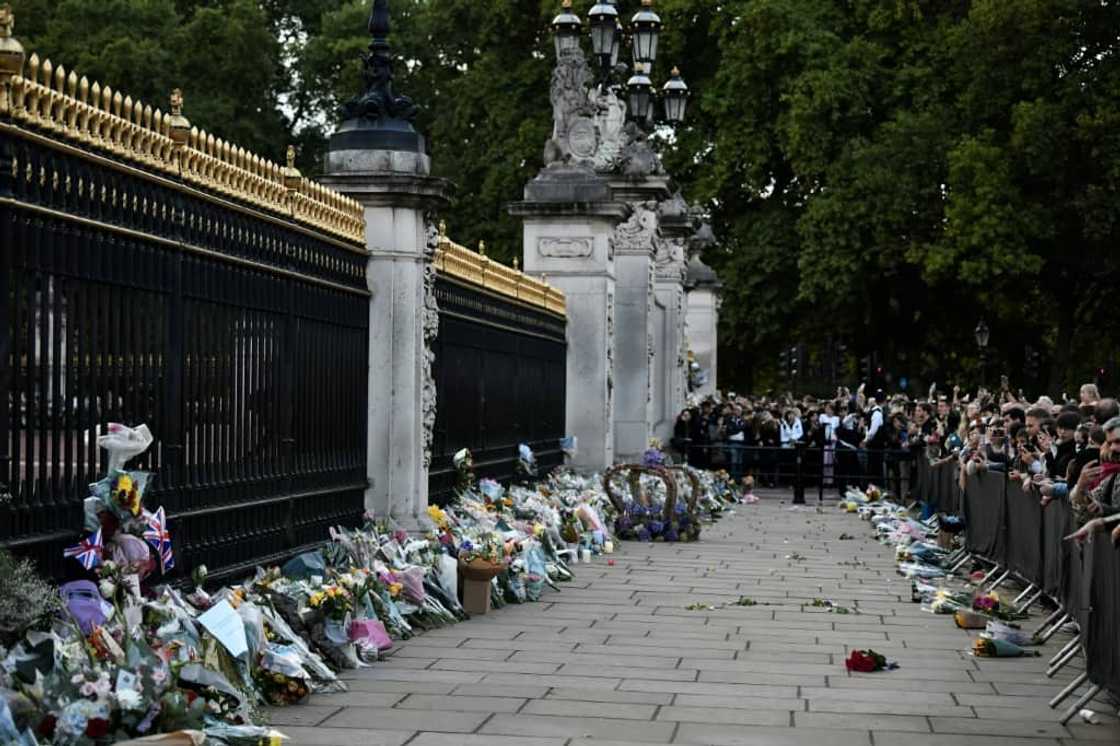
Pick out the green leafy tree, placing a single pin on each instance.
(887, 171)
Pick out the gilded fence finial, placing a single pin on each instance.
(290, 174)
(179, 127)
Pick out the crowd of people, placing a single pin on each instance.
(1069, 448)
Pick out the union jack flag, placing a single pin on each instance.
(88, 551)
(158, 536)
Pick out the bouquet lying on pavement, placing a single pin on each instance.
(868, 661)
(990, 648)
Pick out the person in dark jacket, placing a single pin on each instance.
(700, 432)
(1059, 458)
(682, 434)
(736, 435)
(848, 438)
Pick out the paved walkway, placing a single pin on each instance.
(617, 658)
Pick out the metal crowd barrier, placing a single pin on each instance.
(806, 468)
(1007, 529)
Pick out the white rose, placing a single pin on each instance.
(129, 699)
(108, 588)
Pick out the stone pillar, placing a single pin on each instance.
(403, 321)
(633, 363)
(638, 241)
(670, 383)
(670, 353)
(569, 221)
(377, 158)
(702, 324)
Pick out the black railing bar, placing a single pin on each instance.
(225, 507)
(89, 223)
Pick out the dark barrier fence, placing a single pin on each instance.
(803, 468)
(236, 334)
(1007, 526)
(937, 485)
(1101, 562)
(1023, 518)
(501, 375)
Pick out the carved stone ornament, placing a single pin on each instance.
(575, 138)
(431, 331)
(680, 377)
(672, 259)
(611, 120)
(610, 355)
(565, 248)
(638, 157)
(676, 208)
(639, 234)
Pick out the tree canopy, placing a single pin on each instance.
(885, 172)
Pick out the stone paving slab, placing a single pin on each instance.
(615, 658)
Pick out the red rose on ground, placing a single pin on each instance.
(860, 662)
(46, 726)
(97, 728)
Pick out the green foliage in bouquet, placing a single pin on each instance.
(26, 600)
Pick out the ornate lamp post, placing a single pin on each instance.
(607, 35)
(983, 336)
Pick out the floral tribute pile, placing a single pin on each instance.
(659, 501)
(923, 550)
(119, 655)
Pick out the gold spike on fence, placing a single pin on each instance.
(38, 95)
(478, 269)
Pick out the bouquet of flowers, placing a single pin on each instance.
(993, 648)
(464, 471)
(868, 661)
(484, 560)
(26, 600)
(332, 601)
(654, 454)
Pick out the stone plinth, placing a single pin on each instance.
(569, 223)
(394, 187)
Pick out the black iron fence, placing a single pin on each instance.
(500, 370)
(238, 336)
(822, 471)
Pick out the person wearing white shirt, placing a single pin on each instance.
(873, 442)
(791, 431)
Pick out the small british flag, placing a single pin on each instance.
(158, 536)
(88, 551)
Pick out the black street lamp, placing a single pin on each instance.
(566, 29)
(607, 38)
(646, 26)
(639, 96)
(675, 94)
(603, 21)
(983, 336)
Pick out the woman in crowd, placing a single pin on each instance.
(829, 423)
